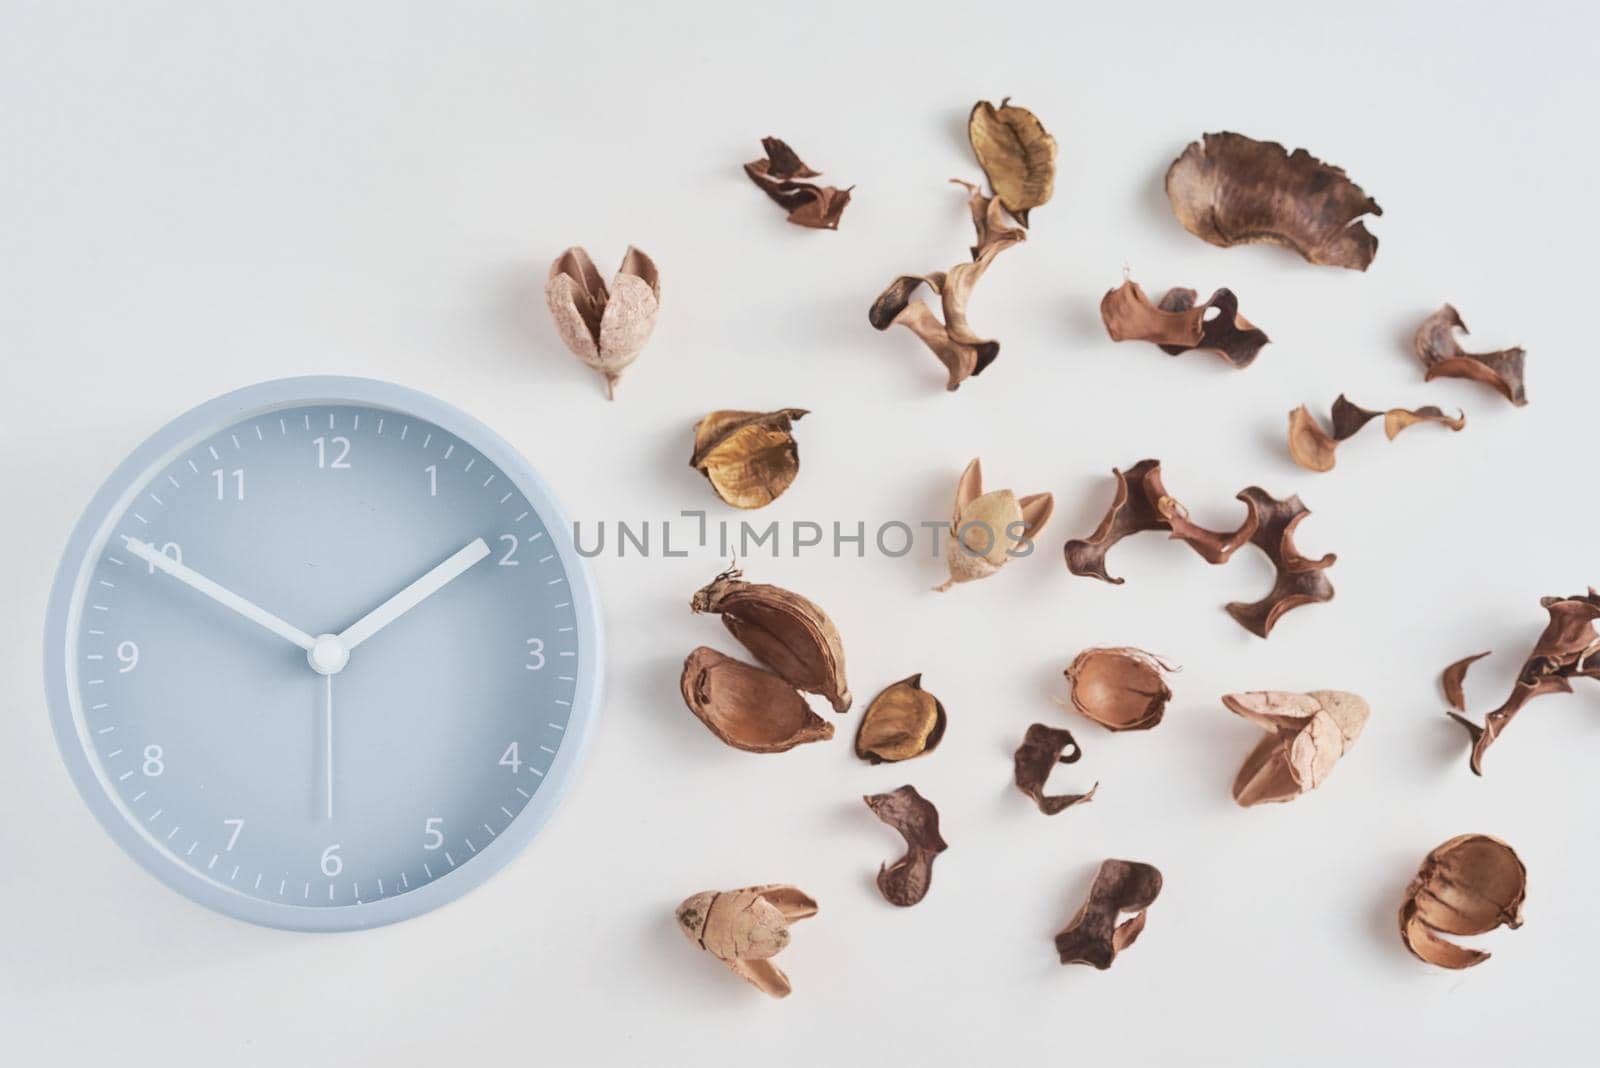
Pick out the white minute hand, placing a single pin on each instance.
(227, 598)
(408, 598)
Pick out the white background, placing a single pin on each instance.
(197, 196)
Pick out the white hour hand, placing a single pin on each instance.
(408, 598)
(227, 598)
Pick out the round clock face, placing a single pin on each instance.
(321, 655)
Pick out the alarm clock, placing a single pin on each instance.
(321, 654)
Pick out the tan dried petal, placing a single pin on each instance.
(605, 330)
(1468, 886)
(1436, 346)
(783, 630)
(1119, 688)
(1042, 748)
(1313, 448)
(906, 881)
(746, 928)
(902, 722)
(781, 176)
(749, 458)
(1094, 937)
(1179, 325)
(1229, 189)
(1308, 733)
(1016, 153)
(747, 707)
(988, 529)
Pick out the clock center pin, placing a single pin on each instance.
(328, 655)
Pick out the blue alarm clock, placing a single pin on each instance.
(321, 655)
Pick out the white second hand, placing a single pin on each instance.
(328, 681)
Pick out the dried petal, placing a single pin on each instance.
(746, 928)
(1468, 886)
(987, 529)
(902, 722)
(749, 458)
(1094, 936)
(1565, 650)
(607, 331)
(1016, 153)
(780, 177)
(1308, 733)
(1299, 580)
(906, 881)
(1041, 750)
(1313, 448)
(746, 707)
(783, 630)
(1119, 687)
(953, 341)
(1443, 356)
(1229, 189)
(1179, 325)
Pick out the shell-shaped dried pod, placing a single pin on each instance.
(749, 458)
(783, 630)
(606, 330)
(746, 928)
(988, 529)
(1436, 346)
(1094, 936)
(906, 881)
(1017, 155)
(1308, 733)
(1119, 687)
(1229, 189)
(747, 707)
(902, 722)
(1468, 886)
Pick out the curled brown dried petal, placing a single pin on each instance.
(1016, 153)
(1307, 734)
(906, 881)
(1119, 687)
(746, 928)
(988, 529)
(749, 458)
(1299, 580)
(1468, 886)
(747, 707)
(783, 630)
(1094, 936)
(1229, 189)
(606, 330)
(781, 176)
(902, 722)
(1042, 748)
(952, 340)
(1567, 649)
(1443, 356)
(1313, 448)
(1179, 325)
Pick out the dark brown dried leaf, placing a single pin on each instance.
(1179, 325)
(1094, 936)
(781, 175)
(1436, 346)
(1119, 688)
(783, 630)
(906, 881)
(1313, 448)
(1469, 885)
(1229, 189)
(749, 458)
(902, 722)
(1299, 580)
(1042, 748)
(747, 707)
(1016, 153)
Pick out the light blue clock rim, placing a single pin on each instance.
(88, 540)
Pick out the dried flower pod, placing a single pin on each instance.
(749, 458)
(1016, 153)
(902, 722)
(747, 707)
(1229, 189)
(1443, 356)
(1313, 447)
(605, 330)
(1179, 325)
(1094, 936)
(953, 341)
(1119, 687)
(1468, 886)
(906, 881)
(1041, 750)
(1308, 733)
(781, 175)
(783, 630)
(1299, 579)
(987, 529)
(745, 929)
(1565, 651)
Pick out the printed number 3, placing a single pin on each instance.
(535, 654)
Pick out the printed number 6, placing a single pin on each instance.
(332, 863)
